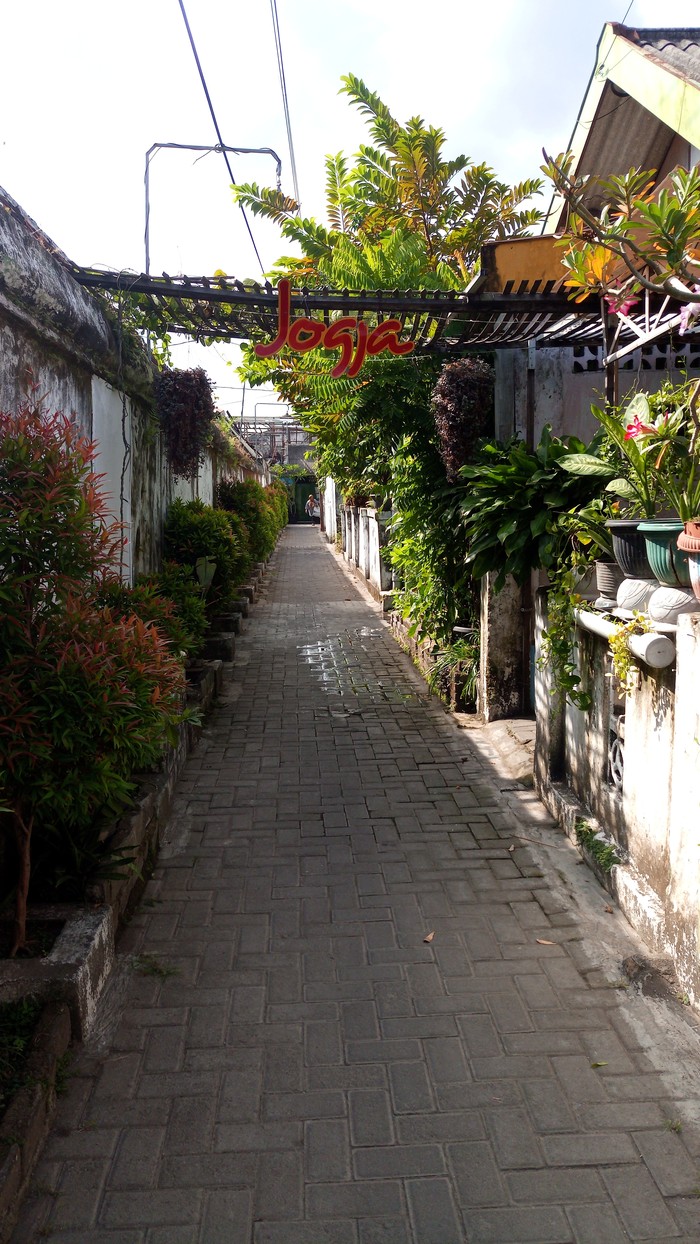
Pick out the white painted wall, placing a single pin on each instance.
(363, 538)
(112, 430)
(563, 396)
(330, 509)
(656, 818)
(189, 490)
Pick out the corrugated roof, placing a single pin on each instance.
(642, 104)
(623, 134)
(678, 49)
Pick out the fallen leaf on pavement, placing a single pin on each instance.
(542, 941)
(599, 1064)
(511, 847)
(608, 908)
(429, 938)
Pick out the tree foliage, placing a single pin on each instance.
(400, 215)
(645, 236)
(402, 183)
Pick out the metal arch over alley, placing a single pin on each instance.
(519, 298)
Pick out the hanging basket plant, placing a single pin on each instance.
(462, 406)
(186, 412)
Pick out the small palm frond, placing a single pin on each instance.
(264, 201)
(314, 239)
(384, 129)
(338, 191)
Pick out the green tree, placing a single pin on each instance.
(401, 181)
(399, 215)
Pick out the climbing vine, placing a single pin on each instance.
(624, 664)
(186, 412)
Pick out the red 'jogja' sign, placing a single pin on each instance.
(349, 335)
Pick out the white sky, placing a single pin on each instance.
(86, 87)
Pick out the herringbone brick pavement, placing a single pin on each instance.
(290, 1061)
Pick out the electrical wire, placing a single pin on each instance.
(216, 127)
(285, 100)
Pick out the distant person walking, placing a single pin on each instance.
(313, 509)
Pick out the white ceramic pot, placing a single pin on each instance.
(668, 603)
(635, 594)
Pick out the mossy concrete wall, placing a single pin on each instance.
(59, 346)
(653, 817)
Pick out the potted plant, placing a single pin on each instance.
(666, 432)
(638, 486)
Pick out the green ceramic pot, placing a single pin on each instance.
(668, 562)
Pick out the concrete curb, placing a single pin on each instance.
(28, 1118)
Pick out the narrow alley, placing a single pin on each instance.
(352, 1008)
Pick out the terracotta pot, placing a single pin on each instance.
(689, 538)
(694, 567)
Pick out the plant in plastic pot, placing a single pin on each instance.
(629, 476)
(666, 429)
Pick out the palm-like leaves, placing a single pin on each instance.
(402, 178)
(398, 261)
(264, 201)
(340, 202)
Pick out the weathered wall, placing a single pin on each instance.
(655, 815)
(57, 346)
(363, 538)
(568, 382)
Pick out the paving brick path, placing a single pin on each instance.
(316, 1072)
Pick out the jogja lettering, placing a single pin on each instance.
(351, 336)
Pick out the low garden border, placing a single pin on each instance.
(26, 1123)
(72, 976)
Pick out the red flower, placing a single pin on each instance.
(620, 303)
(637, 428)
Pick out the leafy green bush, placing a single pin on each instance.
(178, 584)
(462, 658)
(602, 850)
(262, 515)
(518, 505)
(195, 532)
(426, 546)
(242, 537)
(276, 496)
(84, 697)
(106, 695)
(145, 602)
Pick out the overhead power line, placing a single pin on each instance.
(216, 127)
(285, 100)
